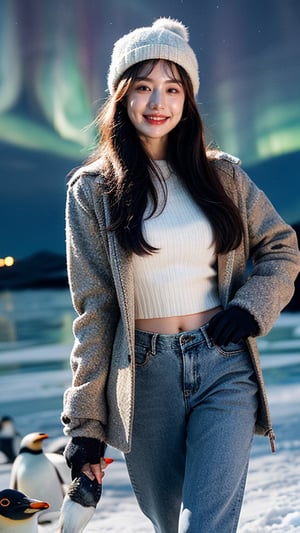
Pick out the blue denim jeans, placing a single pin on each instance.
(195, 410)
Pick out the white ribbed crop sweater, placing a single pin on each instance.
(180, 278)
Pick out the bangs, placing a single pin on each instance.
(144, 68)
(171, 69)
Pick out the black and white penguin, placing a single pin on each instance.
(36, 475)
(9, 438)
(80, 502)
(18, 513)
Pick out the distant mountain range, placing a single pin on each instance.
(48, 270)
(294, 304)
(41, 270)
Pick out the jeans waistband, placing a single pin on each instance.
(165, 340)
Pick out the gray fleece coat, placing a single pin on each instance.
(100, 402)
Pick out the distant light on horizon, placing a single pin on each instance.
(7, 261)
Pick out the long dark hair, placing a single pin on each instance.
(127, 168)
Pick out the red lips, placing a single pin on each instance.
(156, 119)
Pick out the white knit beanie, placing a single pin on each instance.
(166, 39)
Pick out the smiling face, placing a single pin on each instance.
(154, 105)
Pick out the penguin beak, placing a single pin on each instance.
(39, 505)
(42, 436)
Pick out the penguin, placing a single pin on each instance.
(18, 513)
(80, 502)
(9, 438)
(34, 474)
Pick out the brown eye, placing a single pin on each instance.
(5, 502)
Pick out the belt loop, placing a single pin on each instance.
(209, 342)
(153, 343)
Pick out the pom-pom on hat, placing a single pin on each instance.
(166, 39)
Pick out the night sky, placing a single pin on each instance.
(53, 63)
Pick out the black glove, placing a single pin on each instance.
(82, 450)
(232, 325)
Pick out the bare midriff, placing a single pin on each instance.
(175, 324)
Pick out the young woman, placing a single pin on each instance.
(176, 261)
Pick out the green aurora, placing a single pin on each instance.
(54, 58)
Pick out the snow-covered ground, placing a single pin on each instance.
(32, 384)
(271, 501)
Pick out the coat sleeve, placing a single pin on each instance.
(94, 299)
(273, 253)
